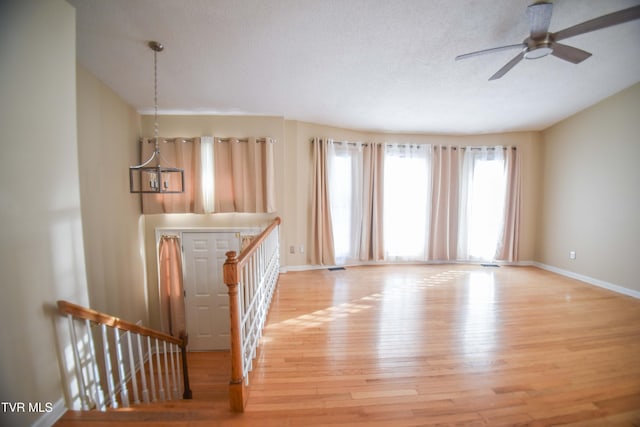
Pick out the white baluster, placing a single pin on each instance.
(255, 272)
(132, 370)
(151, 375)
(166, 370)
(179, 369)
(161, 388)
(124, 393)
(97, 387)
(143, 374)
(107, 366)
(78, 364)
(173, 374)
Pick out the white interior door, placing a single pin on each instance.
(206, 296)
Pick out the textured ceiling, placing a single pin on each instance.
(378, 65)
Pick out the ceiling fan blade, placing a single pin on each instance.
(569, 53)
(492, 50)
(502, 71)
(539, 15)
(603, 21)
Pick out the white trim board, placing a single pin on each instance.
(590, 280)
(50, 418)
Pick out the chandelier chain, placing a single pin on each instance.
(155, 96)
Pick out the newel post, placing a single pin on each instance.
(237, 390)
(185, 369)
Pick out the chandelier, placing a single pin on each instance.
(151, 176)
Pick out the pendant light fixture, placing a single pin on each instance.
(150, 176)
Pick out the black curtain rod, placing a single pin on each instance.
(169, 236)
(166, 140)
(345, 142)
(243, 139)
(442, 147)
(366, 144)
(174, 140)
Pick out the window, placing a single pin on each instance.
(208, 176)
(345, 199)
(482, 203)
(383, 208)
(407, 189)
(221, 175)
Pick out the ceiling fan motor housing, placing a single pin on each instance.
(538, 48)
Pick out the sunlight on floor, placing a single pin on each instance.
(442, 278)
(393, 288)
(320, 317)
(399, 304)
(479, 335)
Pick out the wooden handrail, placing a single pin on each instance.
(81, 312)
(255, 243)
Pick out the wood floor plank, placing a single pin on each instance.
(424, 345)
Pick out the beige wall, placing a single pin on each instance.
(592, 192)
(108, 131)
(41, 247)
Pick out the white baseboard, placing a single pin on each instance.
(305, 267)
(50, 418)
(590, 280)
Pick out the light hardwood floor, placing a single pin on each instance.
(432, 345)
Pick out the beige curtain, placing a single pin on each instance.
(244, 175)
(443, 234)
(508, 244)
(181, 153)
(171, 286)
(321, 250)
(371, 241)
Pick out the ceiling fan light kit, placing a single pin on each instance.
(538, 49)
(541, 42)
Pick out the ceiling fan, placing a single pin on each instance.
(541, 42)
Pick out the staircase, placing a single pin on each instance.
(118, 363)
(209, 379)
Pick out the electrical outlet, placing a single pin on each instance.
(572, 255)
(292, 249)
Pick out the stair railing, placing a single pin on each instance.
(251, 278)
(136, 350)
